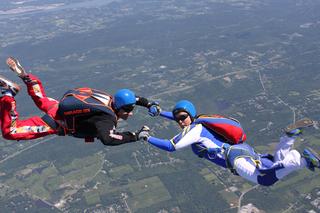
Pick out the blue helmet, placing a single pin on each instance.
(185, 106)
(124, 97)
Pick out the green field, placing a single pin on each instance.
(120, 171)
(147, 192)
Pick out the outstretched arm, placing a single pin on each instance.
(141, 101)
(167, 115)
(153, 107)
(188, 136)
(108, 135)
(163, 144)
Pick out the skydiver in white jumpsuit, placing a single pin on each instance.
(241, 159)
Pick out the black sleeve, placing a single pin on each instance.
(107, 134)
(141, 101)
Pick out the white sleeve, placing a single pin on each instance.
(188, 136)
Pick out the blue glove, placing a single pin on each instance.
(213, 152)
(154, 109)
(210, 152)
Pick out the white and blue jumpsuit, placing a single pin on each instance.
(263, 169)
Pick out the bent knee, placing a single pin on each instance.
(13, 137)
(9, 136)
(267, 180)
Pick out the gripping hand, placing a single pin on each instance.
(154, 109)
(144, 133)
(214, 151)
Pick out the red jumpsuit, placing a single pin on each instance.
(34, 127)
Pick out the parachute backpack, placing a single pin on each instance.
(227, 127)
(83, 102)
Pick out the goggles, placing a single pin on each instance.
(181, 117)
(128, 108)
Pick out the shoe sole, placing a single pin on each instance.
(314, 153)
(305, 122)
(15, 66)
(7, 84)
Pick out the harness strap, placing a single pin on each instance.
(239, 152)
(50, 121)
(228, 163)
(54, 124)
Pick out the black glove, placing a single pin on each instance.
(143, 133)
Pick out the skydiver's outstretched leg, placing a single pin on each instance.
(288, 158)
(35, 89)
(266, 172)
(295, 161)
(270, 169)
(285, 155)
(283, 148)
(12, 128)
(291, 162)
